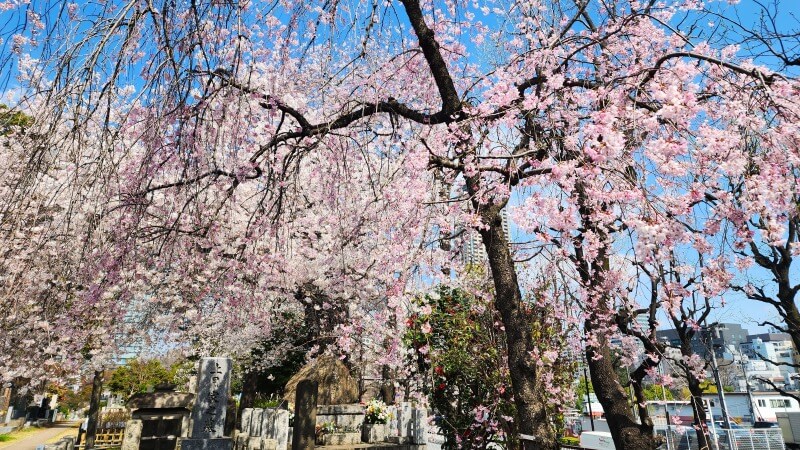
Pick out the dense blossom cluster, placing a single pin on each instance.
(266, 154)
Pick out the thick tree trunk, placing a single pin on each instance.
(695, 391)
(529, 393)
(699, 412)
(94, 409)
(249, 385)
(627, 433)
(791, 315)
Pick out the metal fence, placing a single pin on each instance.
(737, 439)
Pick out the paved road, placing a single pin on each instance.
(31, 441)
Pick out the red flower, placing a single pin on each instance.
(439, 370)
(441, 386)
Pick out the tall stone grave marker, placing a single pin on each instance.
(213, 385)
(211, 400)
(305, 415)
(133, 434)
(247, 415)
(420, 426)
(255, 422)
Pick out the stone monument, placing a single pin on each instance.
(208, 414)
(133, 435)
(305, 415)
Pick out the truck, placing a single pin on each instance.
(790, 428)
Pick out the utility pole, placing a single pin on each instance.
(666, 410)
(715, 369)
(588, 399)
(742, 362)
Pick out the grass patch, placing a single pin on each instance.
(14, 435)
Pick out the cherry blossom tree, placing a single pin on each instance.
(249, 149)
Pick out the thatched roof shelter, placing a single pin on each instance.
(336, 385)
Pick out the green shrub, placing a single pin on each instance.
(569, 440)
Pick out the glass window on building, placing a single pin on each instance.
(779, 403)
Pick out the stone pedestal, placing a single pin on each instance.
(374, 432)
(305, 415)
(340, 439)
(406, 420)
(205, 444)
(133, 434)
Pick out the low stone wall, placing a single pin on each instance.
(345, 416)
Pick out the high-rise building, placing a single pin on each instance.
(474, 253)
(725, 339)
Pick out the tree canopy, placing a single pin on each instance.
(195, 170)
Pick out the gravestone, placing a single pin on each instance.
(247, 414)
(208, 414)
(392, 422)
(305, 415)
(275, 425)
(402, 430)
(255, 422)
(420, 426)
(406, 422)
(133, 435)
(9, 414)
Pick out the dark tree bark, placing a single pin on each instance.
(686, 334)
(627, 433)
(94, 409)
(249, 391)
(529, 393)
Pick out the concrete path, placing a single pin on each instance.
(45, 435)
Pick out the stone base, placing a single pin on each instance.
(205, 444)
(340, 439)
(374, 432)
(244, 442)
(398, 440)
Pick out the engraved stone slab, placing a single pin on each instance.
(305, 415)
(208, 414)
